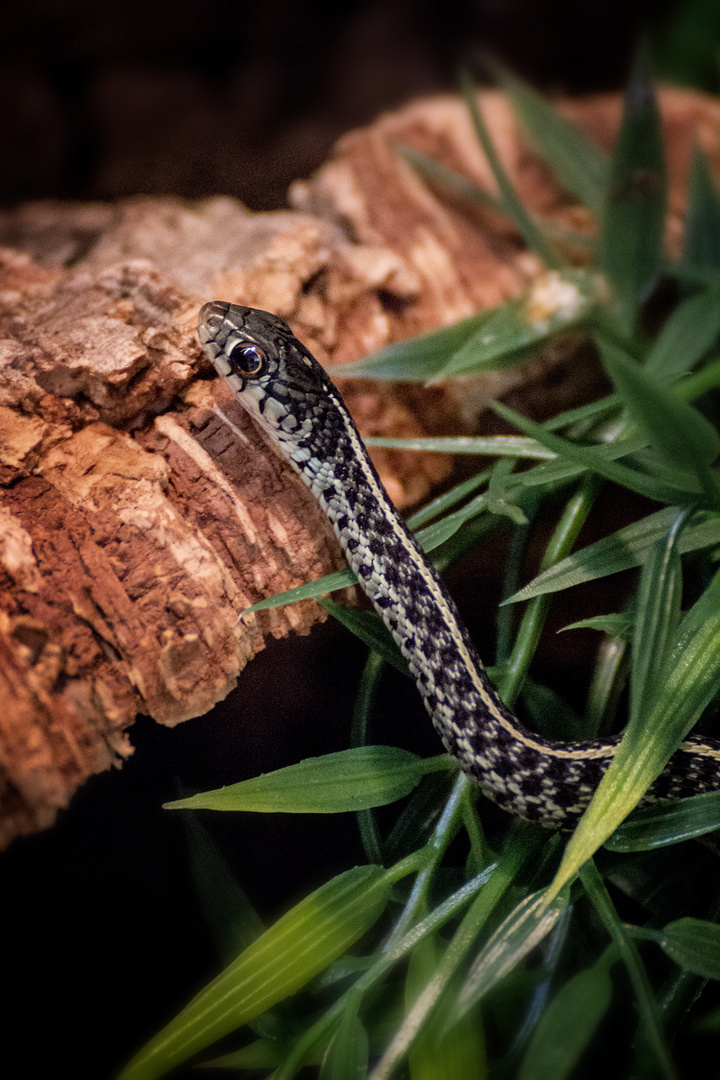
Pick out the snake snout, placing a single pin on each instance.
(211, 318)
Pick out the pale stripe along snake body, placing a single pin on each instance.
(289, 394)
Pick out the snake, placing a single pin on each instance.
(290, 395)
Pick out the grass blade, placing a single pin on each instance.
(702, 220)
(653, 827)
(341, 579)
(686, 337)
(694, 944)
(371, 630)
(418, 358)
(555, 302)
(622, 550)
(581, 167)
(676, 429)
(568, 1023)
(691, 680)
(516, 936)
(593, 458)
(631, 238)
(354, 779)
(283, 959)
(657, 617)
(516, 446)
(627, 949)
(347, 1055)
(512, 205)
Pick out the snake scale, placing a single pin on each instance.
(289, 394)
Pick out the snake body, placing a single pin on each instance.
(290, 395)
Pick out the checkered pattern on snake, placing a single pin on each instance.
(290, 395)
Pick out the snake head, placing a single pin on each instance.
(270, 372)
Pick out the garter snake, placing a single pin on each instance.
(289, 394)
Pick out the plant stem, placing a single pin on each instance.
(573, 518)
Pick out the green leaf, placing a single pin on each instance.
(440, 173)
(437, 1053)
(581, 167)
(347, 1055)
(669, 823)
(631, 238)
(686, 337)
(418, 358)
(353, 779)
(628, 953)
(593, 458)
(511, 203)
(516, 446)
(286, 957)
(521, 843)
(371, 630)
(656, 619)
(567, 1024)
(702, 220)
(622, 550)
(447, 500)
(694, 944)
(341, 579)
(617, 625)
(691, 680)
(261, 1054)
(553, 303)
(552, 472)
(516, 936)
(525, 926)
(675, 428)
(232, 919)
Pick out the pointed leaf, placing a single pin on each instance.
(341, 579)
(554, 302)
(594, 458)
(568, 1024)
(371, 630)
(631, 240)
(675, 428)
(686, 337)
(660, 825)
(694, 944)
(516, 446)
(622, 550)
(702, 221)
(512, 204)
(353, 779)
(347, 1055)
(438, 1054)
(657, 617)
(618, 625)
(232, 919)
(516, 936)
(580, 166)
(415, 359)
(295, 949)
(691, 680)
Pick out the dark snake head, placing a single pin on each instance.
(270, 372)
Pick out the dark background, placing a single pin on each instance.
(104, 936)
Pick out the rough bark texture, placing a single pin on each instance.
(139, 510)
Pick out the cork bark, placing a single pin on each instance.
(140, 510)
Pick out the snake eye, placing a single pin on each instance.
(247, 361)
